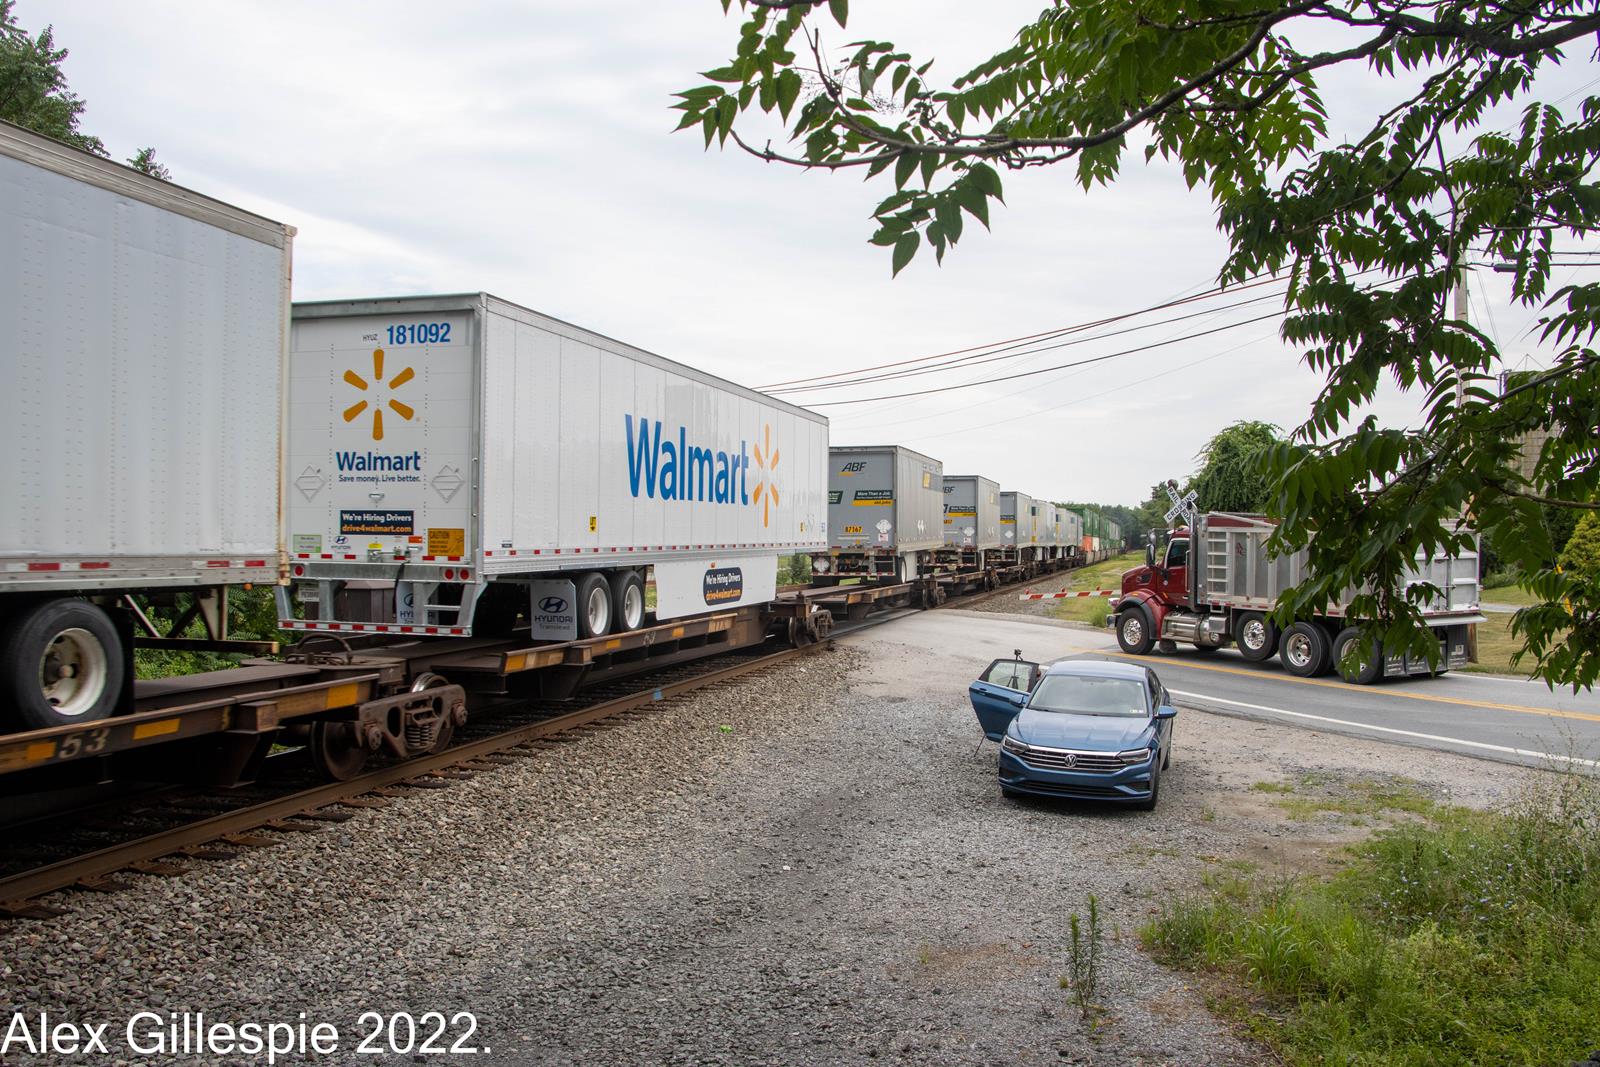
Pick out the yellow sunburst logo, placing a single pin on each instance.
(405, 411)
(766, 493)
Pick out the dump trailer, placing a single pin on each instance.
(885, 515)
(142, 329)
(1224, 590)
(456, 463)
(971, 520)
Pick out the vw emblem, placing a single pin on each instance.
(1071, 760)
(552, 605)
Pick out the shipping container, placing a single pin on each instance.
(143, 330)
(457, 461)
(1019, 527)
(971, 512)
(885, 512)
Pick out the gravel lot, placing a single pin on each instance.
(811, 866)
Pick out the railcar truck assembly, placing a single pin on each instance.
(1222, 591)
(143, 330)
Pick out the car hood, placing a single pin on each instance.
(1098, 733)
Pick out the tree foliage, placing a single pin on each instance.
(1231, 475)
(1370, 234)
(34, 92)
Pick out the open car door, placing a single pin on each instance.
(1000, 692)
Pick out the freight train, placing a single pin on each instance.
(449, 495)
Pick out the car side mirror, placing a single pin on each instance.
(1166, 711)
(1149, 555)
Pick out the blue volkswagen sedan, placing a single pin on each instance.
(1090, 729)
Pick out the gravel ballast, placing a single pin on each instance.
(807, 866)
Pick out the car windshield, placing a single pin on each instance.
(1089, 696)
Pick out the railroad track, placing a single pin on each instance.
(177, 828)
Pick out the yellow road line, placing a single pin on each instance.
(1292, 679)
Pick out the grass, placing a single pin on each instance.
(1106, 574)
(1362, 798)
(1460, 938)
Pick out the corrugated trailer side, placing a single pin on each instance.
(458, 460)
(885, 512)
(142, 333)
(971, 512)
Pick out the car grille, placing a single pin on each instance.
(1075, 790)
(1057, 759)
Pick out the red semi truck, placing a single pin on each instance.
(1223, 591)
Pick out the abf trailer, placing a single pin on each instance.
(971, 521)
(885, 514)
(142, 329)
(1019, 529)
(457, 461)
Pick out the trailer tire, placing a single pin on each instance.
(627, 600)
(1256, 635)
(1135, 633)
(61, 662)
(1304, 650)
(594, 607)
(1367, 671)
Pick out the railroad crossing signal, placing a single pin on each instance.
(1183, 505)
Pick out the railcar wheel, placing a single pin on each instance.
(627, 600)
(337, 750)
(447, 722)
(61, 663)
(1256, 636)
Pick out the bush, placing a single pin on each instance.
(1469, 938)
(1582, 554)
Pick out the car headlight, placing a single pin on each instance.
(1013, 746)
(1134, 755)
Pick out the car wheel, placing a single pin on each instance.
(1166, 755)
(1304, 651)
(1133, 632)
(1149, 803)
(1256, 636)
(1368, 667)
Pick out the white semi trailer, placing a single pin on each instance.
(142, 332)
(456, 462)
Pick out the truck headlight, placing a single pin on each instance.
(1134, 755)
(1013, 746)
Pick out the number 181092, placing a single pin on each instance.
(420, 333)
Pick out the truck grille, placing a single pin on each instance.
(1060, 759)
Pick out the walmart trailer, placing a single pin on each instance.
(455, 462)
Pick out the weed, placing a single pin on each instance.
(1083, 977)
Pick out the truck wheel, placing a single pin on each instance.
(1134, 632)
(627, 598)
(594, 605)
(1256, 636)
(1368, 666)
(61, 663)
(1304, 651)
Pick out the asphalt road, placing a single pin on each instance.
(1488, 716)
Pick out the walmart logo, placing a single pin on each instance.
(353, 412)
(666, 466)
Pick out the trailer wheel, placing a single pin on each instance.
(627, 598)
(1368, 667)
(1134, 632)
(61, 663)
(1256, 636)
(1304, 651)
(594, 605)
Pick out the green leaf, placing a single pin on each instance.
(788, 91)
(840, 10)
(904, 249)
(904, 167)
(984, 177)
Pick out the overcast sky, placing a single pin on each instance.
(524, 149)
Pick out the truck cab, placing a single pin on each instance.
(1165, 574)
